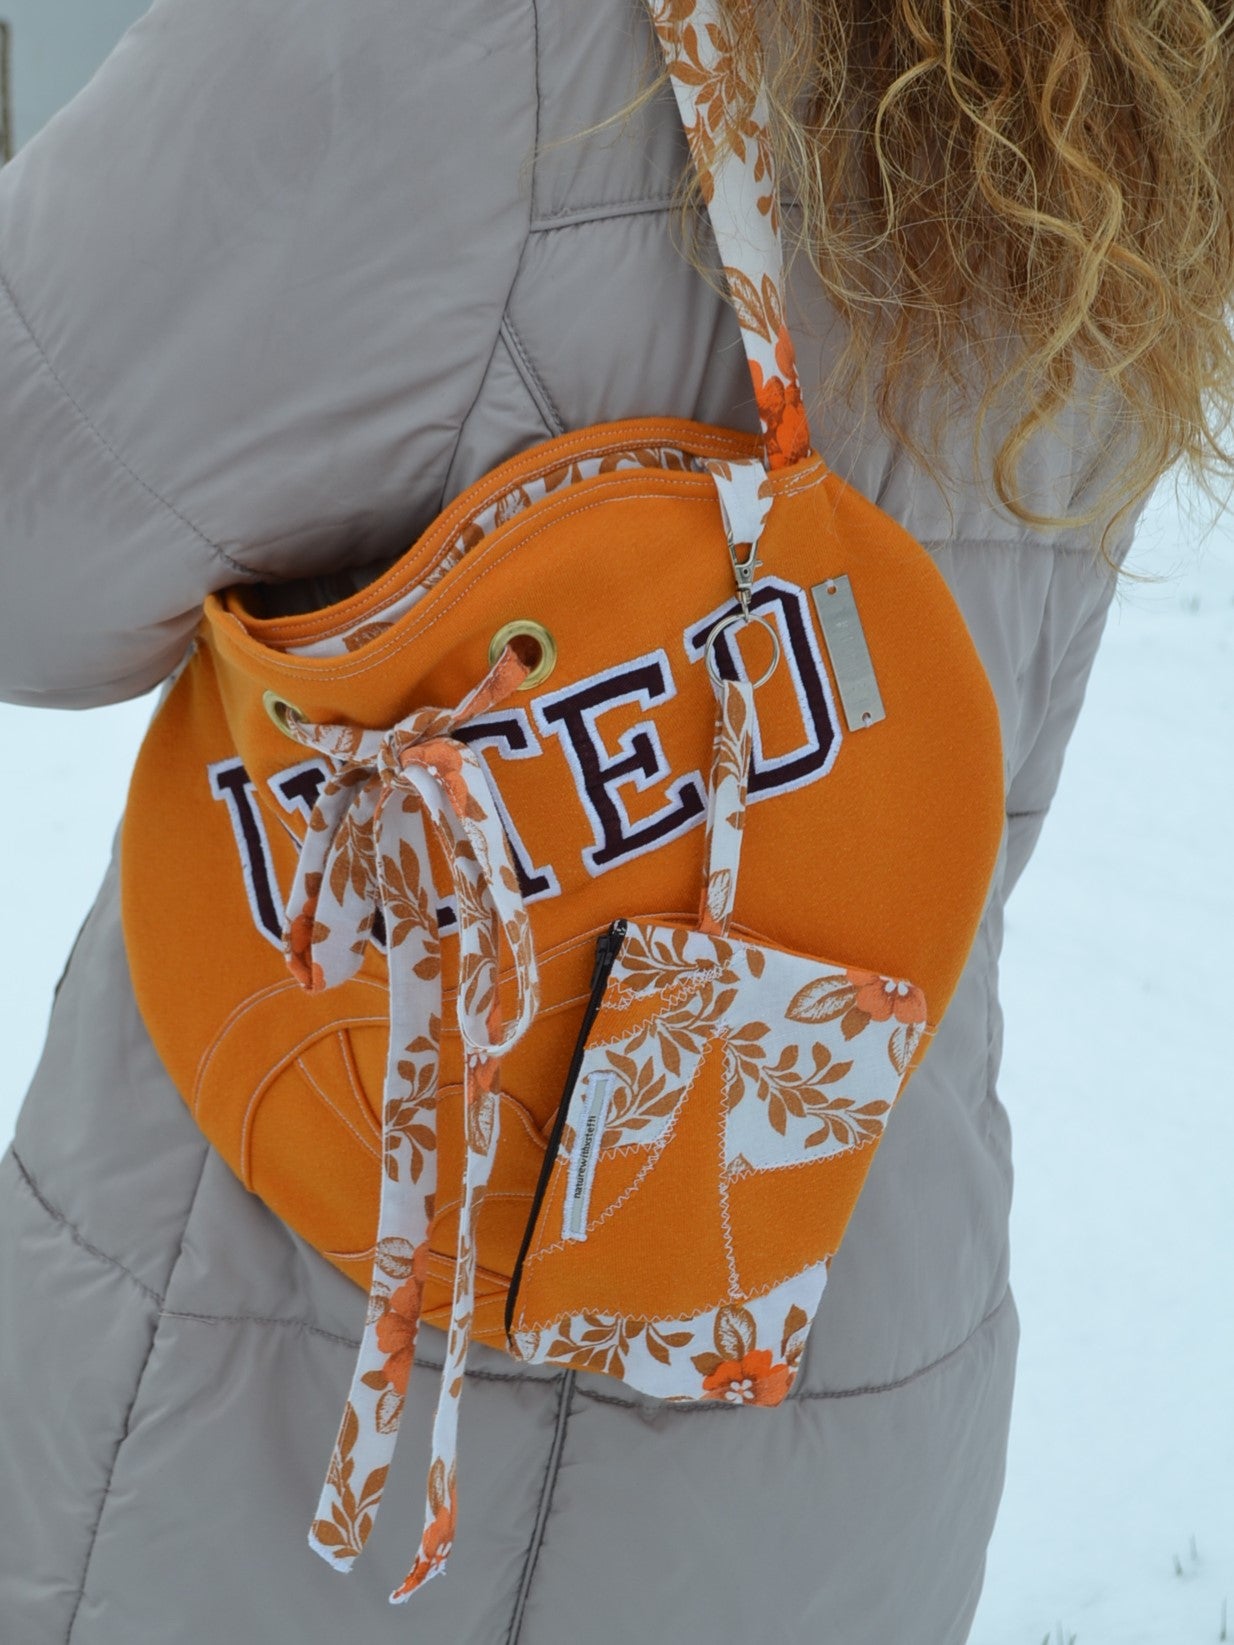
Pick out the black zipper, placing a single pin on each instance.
(608, 945)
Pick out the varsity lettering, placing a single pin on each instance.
(509, 732)
(229, 782)
(297, 788)
(784, 606)
(573, 716)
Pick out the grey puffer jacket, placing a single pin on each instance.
(282, 280)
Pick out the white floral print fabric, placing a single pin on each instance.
(367, 849)
(718, 82)
(793, 1059)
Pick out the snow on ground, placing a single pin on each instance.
(1117, 1523)
(1116, 1074)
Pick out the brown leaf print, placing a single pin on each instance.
(748, 301)
(395, 1257)
(735, 1331)
(353, 857)
(346, 1531)
(357, 637)
(481, 1120)
(823, 1000)
(902, 1044)
(389, 1411)
(719, 882)
(408, 901)
(796, 1324)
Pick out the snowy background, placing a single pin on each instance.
(1117, 1523)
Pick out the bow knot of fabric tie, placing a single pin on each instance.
(366, 850)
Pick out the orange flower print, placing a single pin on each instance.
(444, 760)
(781, 408)
(299, 948)
(751, 1380)
(396, 1329)
(438, 1535)
(884, 997)
(438, 1540)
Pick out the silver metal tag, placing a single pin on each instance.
(850, 655)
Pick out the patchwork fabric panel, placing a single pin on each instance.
(723, 1108)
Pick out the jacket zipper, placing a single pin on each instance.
(608, 945)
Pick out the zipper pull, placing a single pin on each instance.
(607, 944)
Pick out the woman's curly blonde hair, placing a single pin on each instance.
(1063, 168)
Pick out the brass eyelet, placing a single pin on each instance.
(525, 628)
(278, 709)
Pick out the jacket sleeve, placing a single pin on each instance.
(1053, 687)
(251, 278)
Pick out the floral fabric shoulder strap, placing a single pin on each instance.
(712, 52)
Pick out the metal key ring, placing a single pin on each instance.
(728, 622)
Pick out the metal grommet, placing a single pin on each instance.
(525, 628)
(729, 622)
(278, 708)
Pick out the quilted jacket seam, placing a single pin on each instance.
(75, 1233)
(444, 499)
(472, 1371)
(627, 205)
(600, 211)
(531, 378)
(214, 548)
(552, 1467)
(1048, 545)
(128, 1415)
(79, 1239)
(262, 1319)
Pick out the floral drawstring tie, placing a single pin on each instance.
(366, 850)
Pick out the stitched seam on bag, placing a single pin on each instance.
(76, 1234)
(726, 1223)
(128, 1415)
(531, 379)
(353, 1079)
(662, 430)
(251, 1004)
(548, 1485)
(680, 1408)
(366, 1143)
(385, 647)
(234, 565)
(267, 1079)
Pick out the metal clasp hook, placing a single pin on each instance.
(743, 574)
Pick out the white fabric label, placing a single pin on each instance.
(588, 1130)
